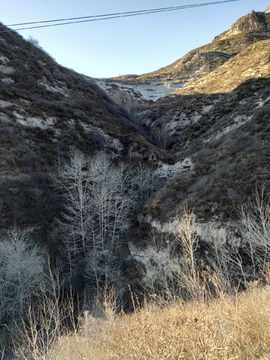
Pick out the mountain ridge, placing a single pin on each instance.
(196, 64)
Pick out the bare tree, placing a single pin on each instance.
(99, 199)
(112, 200)
(145, 180)
(188, 240)
(255, 220)
(72, 180)
(21, 266)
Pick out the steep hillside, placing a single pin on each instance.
(215, 126)
(45, 110)
(209, 126)
(250, 63)
(221, 146)
(195, 65)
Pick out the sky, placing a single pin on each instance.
(132, 45)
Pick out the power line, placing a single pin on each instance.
(77, 20)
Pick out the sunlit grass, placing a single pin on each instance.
(230, 327)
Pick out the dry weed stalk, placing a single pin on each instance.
(219, 326)
(42, 321)
(187, 275)
(256, 226)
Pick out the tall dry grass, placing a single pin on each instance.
(217, 322)
(230, 327)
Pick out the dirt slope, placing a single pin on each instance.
(250, 63)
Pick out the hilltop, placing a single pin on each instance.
(198, 63)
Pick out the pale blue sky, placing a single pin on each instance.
(133, 45)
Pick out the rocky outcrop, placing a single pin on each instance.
(251, 63)
(195, 65)
(258, 21)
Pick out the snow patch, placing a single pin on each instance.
(4, 59)
(110, 142)
(206, 109)
(7, 69)
(71, 123)
(180, 121)
(34, 122)
(196, 117)
(261, 102)
(239, 120)
(60, 87)
(87, 128)
(152, 90)
(8, 81)
(4, 104)
(213, 231)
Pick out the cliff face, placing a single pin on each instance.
(254, 21)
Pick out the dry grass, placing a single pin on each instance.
(218, 321)
(225, 328)
(251, 63)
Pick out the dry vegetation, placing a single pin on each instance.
(250, 63)
(209, 318)
(221, 327)
(230, 327)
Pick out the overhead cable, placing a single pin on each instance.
(91, 18)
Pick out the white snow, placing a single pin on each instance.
(262, 102)
(34, 122)
(4, 104)
(153, 90)
(180, 119)
(239, 120)
(6, 69)
(207, 108)
(4, 59)
(8, 81)
(60, 87)
(87, 127)
(110, 141)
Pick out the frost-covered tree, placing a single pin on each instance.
(21, 266)
(99, 199)
(72, 180)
